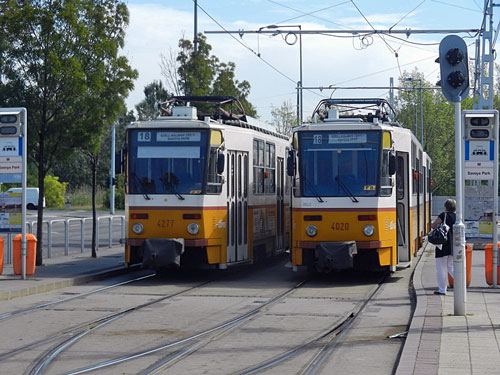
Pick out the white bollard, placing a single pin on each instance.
(459, 270)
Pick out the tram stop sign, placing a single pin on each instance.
(11, 144)
(13, 169)
(480, 163)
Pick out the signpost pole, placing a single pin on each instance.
(459, 282)
(495, 204)
(24, 137)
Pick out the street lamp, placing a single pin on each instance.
(291, 43)
(421, 111)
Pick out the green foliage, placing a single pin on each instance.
(119, 194)
(62, 63)
(202, 74)
(82, 197)
(438, 125)
(284, 118)
(154, 94)
(54, 192)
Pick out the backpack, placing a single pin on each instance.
(439, 235)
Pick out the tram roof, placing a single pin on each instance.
(211, 110)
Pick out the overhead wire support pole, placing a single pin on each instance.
(195, 39)
(421, 116)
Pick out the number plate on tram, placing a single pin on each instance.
(340, 226)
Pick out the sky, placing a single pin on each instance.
(272, 64)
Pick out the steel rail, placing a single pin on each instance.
(213, 332)
(83, 328)
(42, 305)
(334, 339)
(332, 334)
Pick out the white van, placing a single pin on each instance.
(31, 197)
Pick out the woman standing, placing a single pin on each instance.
(444, 252)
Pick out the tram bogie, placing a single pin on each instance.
(361, 188)
(204, 189)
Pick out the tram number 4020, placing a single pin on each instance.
(340, 226)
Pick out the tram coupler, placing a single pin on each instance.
(335, 255)
(163, 252)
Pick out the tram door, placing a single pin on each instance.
(403, 206)
(237, 206)
(280, 206)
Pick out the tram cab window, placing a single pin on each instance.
(339, 163)
(167, 161)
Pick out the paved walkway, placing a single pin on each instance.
(62, 271)
(439, 342)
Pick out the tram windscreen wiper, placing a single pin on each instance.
(313, 190)
(140, 187)
(346, 189)
(176, 193)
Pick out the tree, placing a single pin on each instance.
(439, 126)
(200, 73)
(169, 69)
(226, 84)
(62, 64)
(284, 118)
(154, 94)
(92, 155)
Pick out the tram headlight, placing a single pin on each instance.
(368, 230)
(193, 228)
(137, 228)
(311, 230)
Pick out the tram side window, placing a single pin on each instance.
(214, 181)
(269, 173)
(264, 165)
(421, 169)
(414, 163)
(258, 166)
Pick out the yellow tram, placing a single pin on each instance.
(361, 188)
(206, 187)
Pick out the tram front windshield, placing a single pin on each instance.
(166, 161)
(339, 163)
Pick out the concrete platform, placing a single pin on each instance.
(439, 342)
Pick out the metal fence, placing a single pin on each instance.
(76, 235)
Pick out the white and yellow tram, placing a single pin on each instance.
(205, 189)
(361, 188)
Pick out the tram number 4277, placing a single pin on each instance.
(340, 226)
(165, 223)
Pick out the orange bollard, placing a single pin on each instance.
(30, 256)
(488, 263)
(1, 255)
(468, 266)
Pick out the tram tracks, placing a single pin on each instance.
(204, 337)
(62, 300)
(323, 343)
(167, 354)
(73, 334)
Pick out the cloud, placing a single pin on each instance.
(326, 60)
